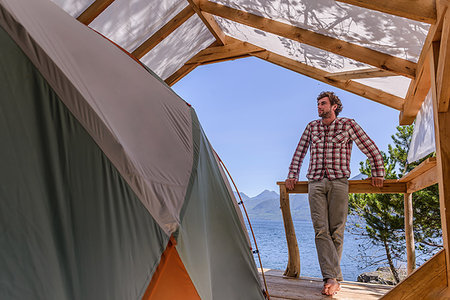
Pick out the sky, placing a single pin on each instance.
(254, 112)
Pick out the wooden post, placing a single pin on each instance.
(440, 63)
(293, 267)
(410, 249)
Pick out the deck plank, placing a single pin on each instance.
(281, 287)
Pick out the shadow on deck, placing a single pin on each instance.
(281, 287)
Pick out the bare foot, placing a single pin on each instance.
(331, 287)
(326, 286)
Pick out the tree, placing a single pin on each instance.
(381, 216)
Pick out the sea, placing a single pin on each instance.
(271, 241)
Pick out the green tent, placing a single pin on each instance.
(110, 189)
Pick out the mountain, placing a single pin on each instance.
(359, 177)
(244, 197)
(266, 206)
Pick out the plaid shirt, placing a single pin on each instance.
(331, 147)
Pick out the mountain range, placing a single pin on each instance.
(266, 206)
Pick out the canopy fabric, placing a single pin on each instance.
(423, 138)
(130, 23)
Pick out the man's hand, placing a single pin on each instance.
(377, 181)
(290, 183)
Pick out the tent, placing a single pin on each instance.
(110, 188)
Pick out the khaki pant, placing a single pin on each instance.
(328, 201)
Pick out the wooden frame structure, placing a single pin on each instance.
(432, 71)
(419, 178)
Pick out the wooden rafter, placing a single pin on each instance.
(350, 86)
(180, 73)
(93, 11)
(234, 49)
(419, 87)
(360, 74)
(162, 33)
(209, 21)
(353, 51)
(227, 52)
(186, 68)
(419, 10)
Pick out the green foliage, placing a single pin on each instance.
(381, 216)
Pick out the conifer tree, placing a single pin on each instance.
(381, 216)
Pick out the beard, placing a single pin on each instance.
(325, 114)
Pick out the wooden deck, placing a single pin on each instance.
(308, 288)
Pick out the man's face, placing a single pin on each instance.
(324, 108)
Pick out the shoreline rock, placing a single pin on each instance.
(382, 275)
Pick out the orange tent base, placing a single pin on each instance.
(171, 280)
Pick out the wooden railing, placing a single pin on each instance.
(419, 178)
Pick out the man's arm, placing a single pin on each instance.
(368, 147)
(297, 159)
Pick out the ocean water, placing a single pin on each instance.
(271, 240)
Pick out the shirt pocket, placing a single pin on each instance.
(340, 137)
(316, 137)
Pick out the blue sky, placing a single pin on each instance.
(254, 112)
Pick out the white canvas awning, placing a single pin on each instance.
(370, 49)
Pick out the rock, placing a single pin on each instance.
(382, 275)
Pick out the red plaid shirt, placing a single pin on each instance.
(331, 147)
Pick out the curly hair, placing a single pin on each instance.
(333, 100)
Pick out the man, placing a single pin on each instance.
(331, 139)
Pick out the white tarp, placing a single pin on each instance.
(130, 22)
(422, 141)
(382, 32)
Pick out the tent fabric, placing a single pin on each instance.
(72, 228)
(423, 138)
(211, 241)
(102, 163)
(100, 98)
(170, 280)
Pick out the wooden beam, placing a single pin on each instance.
(419, 170)
(419, 10)
(360, 74)
(419, 87)
(442, 138)
(230, 51)
(391, 186)
(427, 282)
(334, 45)
(350, 86)
(422, 181)
(209, 22)
(225, 59)
(293, 267)
(180, 73)
(93, 11)
(409, 234)
(186, 68)
(164, 32)
(443, 68)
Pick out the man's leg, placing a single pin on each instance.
(326, 250)
(338, 209)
